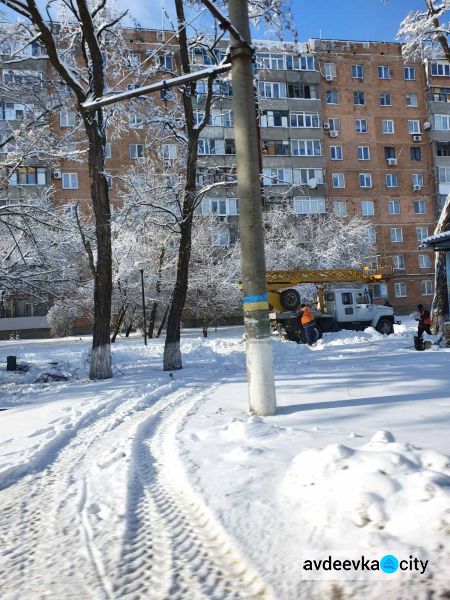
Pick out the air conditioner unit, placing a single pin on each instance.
(57, 174)
(326, 126)
(417, 138)
(417, 188)
(391, 161)
(334, 133)
(329, 77)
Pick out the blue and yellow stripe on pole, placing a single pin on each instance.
(256, 302)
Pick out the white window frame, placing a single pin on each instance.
(336, 153)
(272, 89)
(134, 151)
(396, 235)
(306, 148)
(372, 234)
(329, 70)
(67, 118)
(358, 69)
(391, 180)
(275, 176)
(398, 262)
(421, 233)
(440, 69)
(335, 95)
(338, 180)
(409, 71)
(340, 208)
(363, 152)
(417, 180)
(303, 175)
(367, 208)
(426, 287)
(220, 207)
(412, 100)
(69, 181)
(356, 96)
(309, 205)
(393, 205)
(400, 289)
(424, 261)
(40, 172)
(388, 126)
(442, 122)
(367, 180)
(413, 126)
(419, 202)
(385, 99)
(384, 72)
(304, 120)
(361, 122)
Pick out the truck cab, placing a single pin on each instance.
(353, 308)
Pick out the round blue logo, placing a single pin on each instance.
(389, 563)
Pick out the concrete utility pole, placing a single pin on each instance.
(256, 316)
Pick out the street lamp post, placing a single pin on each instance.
(143, 306)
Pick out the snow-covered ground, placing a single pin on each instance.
(158, 485)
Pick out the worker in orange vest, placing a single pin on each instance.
(424, 321)
(307, 320)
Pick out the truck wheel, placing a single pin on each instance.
(289, 299)
(385, 326)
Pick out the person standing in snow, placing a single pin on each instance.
(307, 320)
(424, 321)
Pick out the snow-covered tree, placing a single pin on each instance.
(325, 241)
(424, 34)
(213, 293)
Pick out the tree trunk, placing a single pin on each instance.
(151, 326)
(122, 313)
(440, 300)
(172, 352)
(161, 327)
(101, 347)
(129, 328)
(152, 320)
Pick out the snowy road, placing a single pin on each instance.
(111, 513)
(159, 486)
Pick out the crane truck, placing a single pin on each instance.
(338, 307)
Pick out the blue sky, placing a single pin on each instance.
(337, 19)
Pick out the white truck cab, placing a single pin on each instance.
(353, 308)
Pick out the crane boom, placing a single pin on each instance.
(285, 278)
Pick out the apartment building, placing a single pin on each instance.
(345, 127)
(379, 164)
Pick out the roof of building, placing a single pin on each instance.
(439, 241)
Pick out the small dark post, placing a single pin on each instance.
(143, 306)
(11, 363)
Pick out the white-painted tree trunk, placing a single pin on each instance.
(172, 356)
(101, 363)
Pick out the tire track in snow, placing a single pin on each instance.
(53, 547)
(41, 516)
(174, 548)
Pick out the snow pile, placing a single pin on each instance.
(383, 486)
